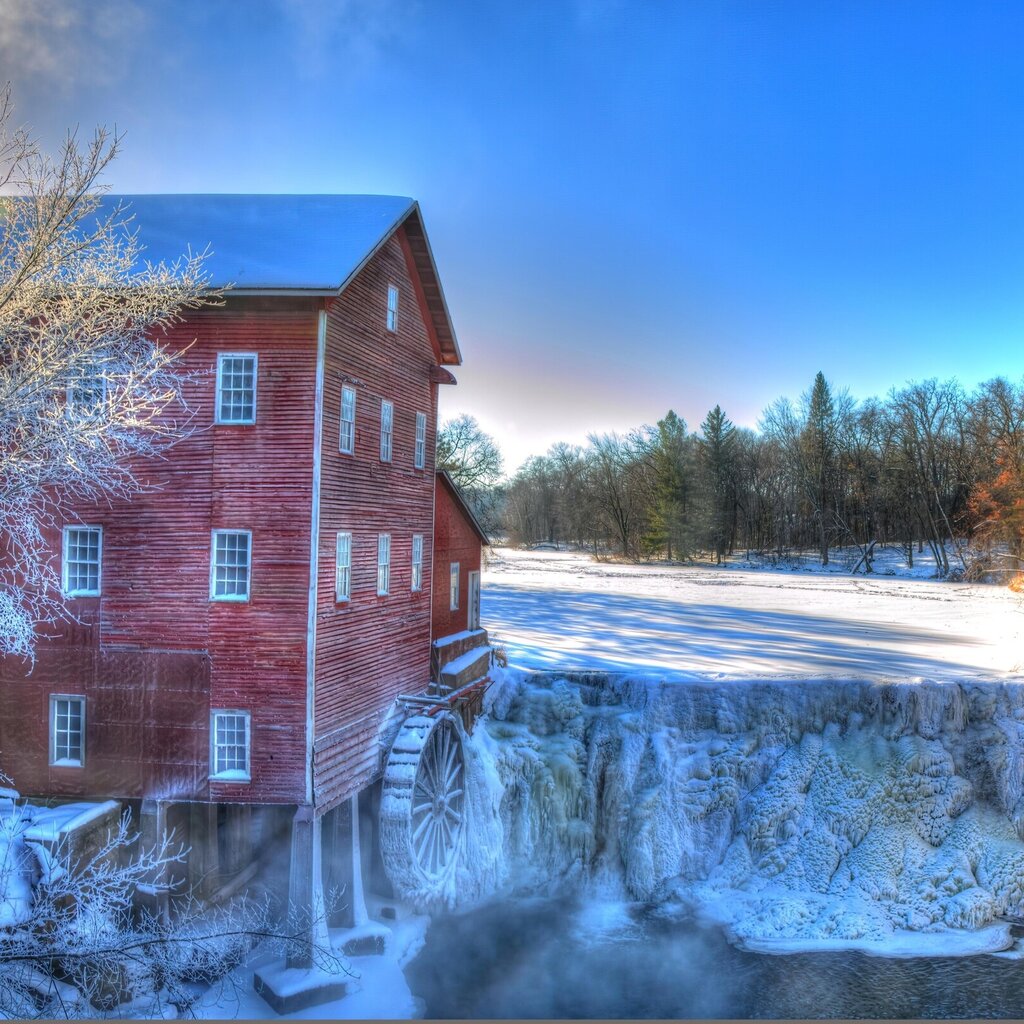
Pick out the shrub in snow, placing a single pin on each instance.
(74, 944)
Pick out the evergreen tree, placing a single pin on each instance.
(670, 526)
(818, 444)
(717, 459)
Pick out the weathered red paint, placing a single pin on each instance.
(370, 649)
(456, 539)
(154, 647)
(153, 654)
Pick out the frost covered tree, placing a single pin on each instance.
(622, 483)
(74, 941)
(473, 459)
(86, 387)
(931, 448)
(468, 454)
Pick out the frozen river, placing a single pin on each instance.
(564, 611)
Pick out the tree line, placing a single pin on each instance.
(929, 467)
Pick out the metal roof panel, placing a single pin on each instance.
(311, 242)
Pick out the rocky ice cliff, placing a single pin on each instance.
(808, 812)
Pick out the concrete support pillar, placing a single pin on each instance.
(359, 915)
(238, 839)
(204, 856)
(307, 920)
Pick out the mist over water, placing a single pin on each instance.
(528, 958)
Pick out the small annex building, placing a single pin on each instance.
(460, 645)
(459, 540)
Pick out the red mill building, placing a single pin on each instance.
(246, 628)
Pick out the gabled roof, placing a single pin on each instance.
(460, 499)
(313, 244)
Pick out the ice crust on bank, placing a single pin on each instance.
(801, 811)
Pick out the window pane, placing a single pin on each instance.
(68, 729)
(87, 395)
(230, 742)
(392, 319)
(387, 415)
(82, 560)
(348, 420)
(417, 562)
(421, 440)
(230, 564)
(383, 563)
(343, 581)
(236, 399)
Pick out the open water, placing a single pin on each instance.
(555, 958)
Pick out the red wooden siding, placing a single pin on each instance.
(455, 540)
(372, 648)
(168, 653)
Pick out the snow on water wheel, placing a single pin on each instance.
(423, 807)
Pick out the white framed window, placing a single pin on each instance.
(392, 307)
(229, 746)
(453, 586)
(383, 563)
(236, 387)
(80, 561)
(417, 561)
(343, 567)
(347, 440)
(420, 456)
(87, 394)
(387, 428)
(67, 730)
(230, 565)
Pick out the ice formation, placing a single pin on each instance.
(809, 811)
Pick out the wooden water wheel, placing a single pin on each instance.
(423, 805)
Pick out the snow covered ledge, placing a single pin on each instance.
(800, 813)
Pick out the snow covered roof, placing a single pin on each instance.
(290, 243)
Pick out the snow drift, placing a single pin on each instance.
(796, 812)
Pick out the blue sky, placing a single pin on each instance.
(633, 206)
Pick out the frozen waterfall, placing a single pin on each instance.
(801, 811)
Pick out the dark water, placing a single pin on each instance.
(543, 959)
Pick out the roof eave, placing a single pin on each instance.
(443, 327)
(318, 292)
(460, 499)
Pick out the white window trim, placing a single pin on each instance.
(342, 421)
(93, 412)
(64, 563)
(383, 547)
(417, 564)
(420, 451)
(453, 586)
(231, 598)
(221, 356)
(338, 595)
(391, 320)
(65, 762)
(230, 774)
(386, 451)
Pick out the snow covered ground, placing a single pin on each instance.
(562, 610)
